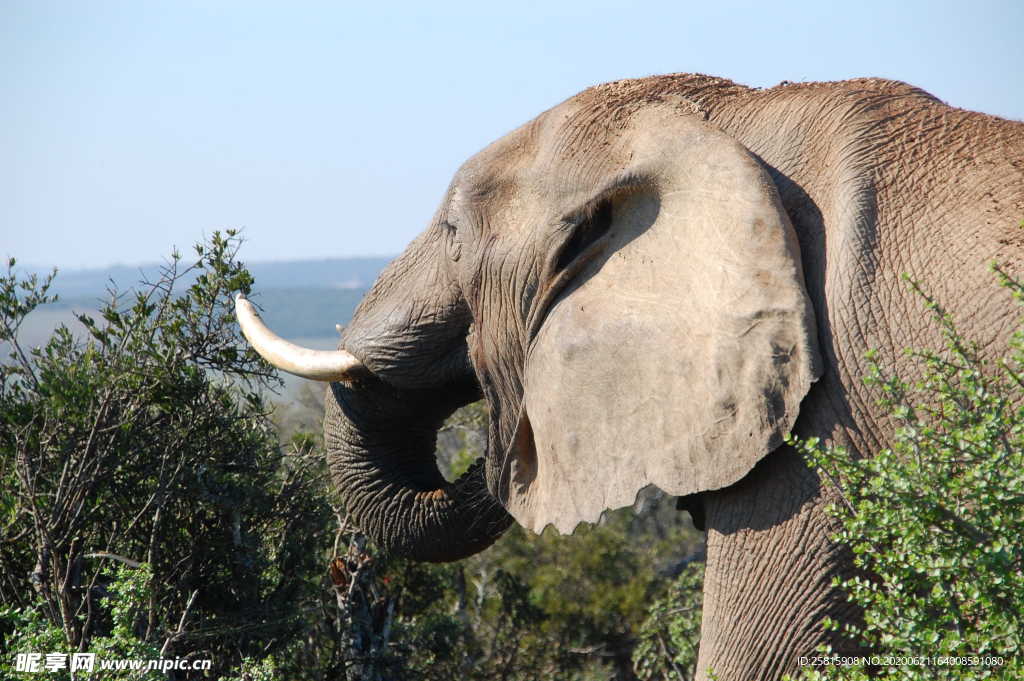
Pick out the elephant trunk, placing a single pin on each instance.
(380, 447)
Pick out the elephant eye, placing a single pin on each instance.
(593, 224)
(452, 243)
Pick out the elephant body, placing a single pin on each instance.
(654, 282)
(880, 179)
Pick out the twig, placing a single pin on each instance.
(181, 623)
(671, 660)
(134, 564)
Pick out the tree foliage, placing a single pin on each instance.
(154, 504)
(147, 444)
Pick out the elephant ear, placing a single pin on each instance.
(677, 358)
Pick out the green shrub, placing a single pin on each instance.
(148, 442)
(670, 636)
(935, 522)
(128, 588)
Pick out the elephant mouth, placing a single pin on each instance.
(381, 427)
(382, 449)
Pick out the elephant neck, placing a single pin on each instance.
(770, 565)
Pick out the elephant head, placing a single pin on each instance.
(643, 283)
(619, 281)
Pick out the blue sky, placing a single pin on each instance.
(332, 129)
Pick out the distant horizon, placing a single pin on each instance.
(339, 275)
(68, 269)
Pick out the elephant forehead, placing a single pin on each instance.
(555, 161)
(559, 152)
(499, 164)
(580, 137)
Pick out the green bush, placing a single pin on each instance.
(670, 635)
(128, 588)
(147, 442)
(935, 523)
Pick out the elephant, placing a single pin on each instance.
(654, 283)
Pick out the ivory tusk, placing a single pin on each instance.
(316, 365)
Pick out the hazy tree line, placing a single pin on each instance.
(155, 501)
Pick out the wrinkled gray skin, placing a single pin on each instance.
(652, 283)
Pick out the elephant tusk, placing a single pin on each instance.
(316, 365)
